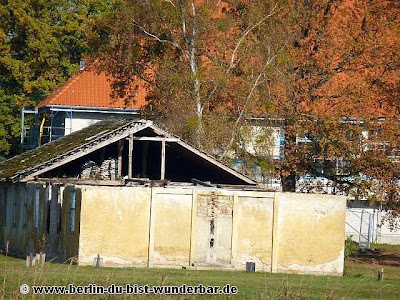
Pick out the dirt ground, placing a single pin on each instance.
(378, 256)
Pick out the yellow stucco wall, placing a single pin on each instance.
(139, 226)
(282, 232)
(114, 224)
(310, 233)
(172, 217)
(254, 240)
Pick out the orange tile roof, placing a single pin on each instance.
(90, 89)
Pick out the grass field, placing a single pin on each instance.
(386, 247)
(360, 281)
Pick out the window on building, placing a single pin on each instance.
(5, 207)
(72, 200)
(24, 208)
(14, 211)
(48, 216)
(57, 211)
(36, 207)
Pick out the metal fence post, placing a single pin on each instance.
(369, 231)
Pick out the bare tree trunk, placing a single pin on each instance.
(191, 46)
(196, 86)
(288, 175)
(196, 80)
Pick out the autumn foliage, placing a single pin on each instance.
(324, 71)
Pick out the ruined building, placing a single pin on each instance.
(134, 195)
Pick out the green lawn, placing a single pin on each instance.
(386, 247)
(360, 282)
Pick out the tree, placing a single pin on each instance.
(327, 69)
(204, 61)
(342, 78)
(41, 43)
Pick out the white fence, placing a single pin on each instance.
(366, 225)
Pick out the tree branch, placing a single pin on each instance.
(245, 33)
(183, 21)
(154, 37)
(170, 2)
(237, 122)
(209, 97)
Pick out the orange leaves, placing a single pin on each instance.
(345, 58)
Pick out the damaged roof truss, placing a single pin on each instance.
(188, 159)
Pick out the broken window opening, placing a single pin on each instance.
(72, 201)
(48, 215)
(25, 208)
(15, 211)
(36, 207)
(5, 207)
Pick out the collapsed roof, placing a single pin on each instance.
(153, 150)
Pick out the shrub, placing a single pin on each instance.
(350, 247)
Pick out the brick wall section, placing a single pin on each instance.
(214, 205)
